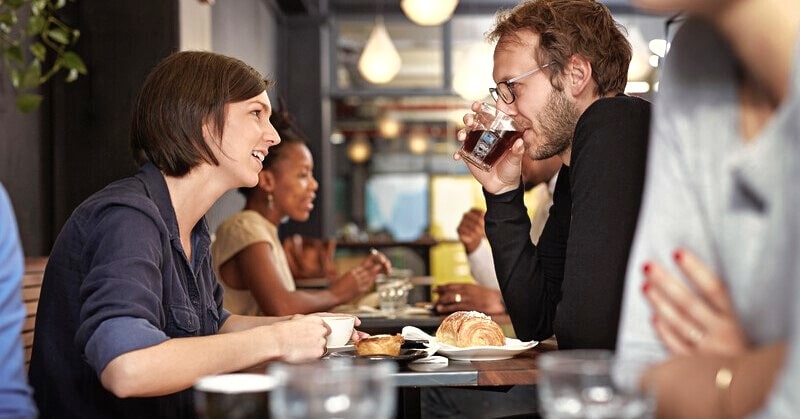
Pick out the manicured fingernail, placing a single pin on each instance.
(647, 267)
(678, 255)
(645, 286)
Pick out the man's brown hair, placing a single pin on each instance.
(184, 91)
(567, 27)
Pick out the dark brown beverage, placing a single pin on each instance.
(212, 405)
(233, 396)
(483, 148)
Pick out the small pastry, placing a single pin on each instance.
(379, 345)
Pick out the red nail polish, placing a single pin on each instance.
(646, 268)
(678, 255)
(645, 286)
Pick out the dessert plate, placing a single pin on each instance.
(405, 356)
(486, 353)
(475, 353)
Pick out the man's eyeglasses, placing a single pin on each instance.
(505, 89)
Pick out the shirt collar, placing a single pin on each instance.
(156, 187)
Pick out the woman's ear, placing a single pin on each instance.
(210, 134)
(579, 76)
(266, 181)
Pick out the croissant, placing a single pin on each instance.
(380, 345)
(470, 328)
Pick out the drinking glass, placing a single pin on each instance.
(233, 396)
(393, 289)
(334, 388)
(580, 384)
(490, 138)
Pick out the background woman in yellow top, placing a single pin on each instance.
(247, 253)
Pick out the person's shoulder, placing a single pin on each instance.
(613, 120)
(246, 221)
(243, 218)
(617, 108)
(129, 192)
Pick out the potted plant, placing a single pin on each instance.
(36, 45)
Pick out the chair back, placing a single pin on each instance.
(31, 287)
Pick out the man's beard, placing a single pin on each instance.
(556, 126)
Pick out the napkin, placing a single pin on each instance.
(431, 346)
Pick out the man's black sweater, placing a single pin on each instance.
(572, 284)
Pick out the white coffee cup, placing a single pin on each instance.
(341, 329)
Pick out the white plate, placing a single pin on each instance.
(486, 353)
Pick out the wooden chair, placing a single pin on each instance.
(31, 287)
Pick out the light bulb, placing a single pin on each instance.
(379, 62)
(359, 149)
(418, 142)
(389, 127)
(428, 12)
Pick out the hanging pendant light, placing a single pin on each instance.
(379, 62)
(428, 12)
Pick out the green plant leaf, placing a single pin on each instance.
(14, 4)
(28, 102)
(15, 78)
(36, 24)
(8, 19)
(37, 6)
(59, 4)
(14, 54)
(72, 61)
(72, 75)
(32, 75)
(39, 51)
(59, 35)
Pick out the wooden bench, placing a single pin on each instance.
(31, 287)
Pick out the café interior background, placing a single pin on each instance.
(383, 151)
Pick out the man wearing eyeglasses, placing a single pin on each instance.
(561, 67)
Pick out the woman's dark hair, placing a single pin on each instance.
(184, 91)
(284, 124)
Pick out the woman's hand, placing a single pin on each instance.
(353, 283)
(300, 339)
(699, 321)
(377, 262)
(456, 297)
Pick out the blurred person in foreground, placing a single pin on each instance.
(540, 178)
(248, 255)
(130, 314)
(711, 318)
(15, 395)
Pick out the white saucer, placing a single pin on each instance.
(332, 349)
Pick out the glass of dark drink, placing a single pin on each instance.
(490, 138)
(233, 396)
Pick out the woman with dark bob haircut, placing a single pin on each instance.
(130, 314)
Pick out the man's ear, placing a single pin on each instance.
(579, 76)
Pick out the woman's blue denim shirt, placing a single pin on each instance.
(118, 280)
